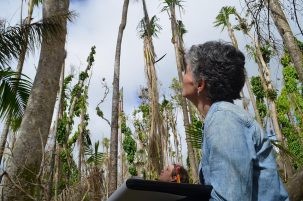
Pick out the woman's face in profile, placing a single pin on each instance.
(166, 174)
(189, 87)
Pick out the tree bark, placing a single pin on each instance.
(23, 167)
(115, 105)
(287, 35)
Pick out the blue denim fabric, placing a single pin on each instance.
(237, 158)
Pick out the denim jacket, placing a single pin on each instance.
(237, 158)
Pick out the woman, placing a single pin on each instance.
(237, 155)
(174, 173)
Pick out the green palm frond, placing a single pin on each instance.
(94, 156)
(194, 133)
(12, 38)
(222, 18)
(172, 3)
(14, 94)
(10, 44)
(151, 28)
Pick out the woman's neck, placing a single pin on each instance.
(203, 105)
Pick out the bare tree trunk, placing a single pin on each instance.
(115, 105)
(4, 136)
(80, 142)
(53, 159)
(287, 35)
(270, 88)
(180, 61)
(120, 141)
(263, 68)
(156, 134)
(155, 140)
(22, 169)
(172, 124)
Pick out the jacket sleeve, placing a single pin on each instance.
(229, 158)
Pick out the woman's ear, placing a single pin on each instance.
(201, 86)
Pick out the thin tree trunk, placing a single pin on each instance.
(115, 105)
(179, 53)
(272, 108)
(155, 141)
(53, 159)
(80, 142)
(120, 140)
(287, 35)
(23, 167)
(270, 88)
(4, 136)
(156, 134)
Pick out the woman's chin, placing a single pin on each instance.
(184, 94)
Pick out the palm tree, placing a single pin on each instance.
(178, 30)
(15, 41)
(149, 28)
(287, 35)
(222, 19)
(21, 59)
(24, 166)
(115, 105)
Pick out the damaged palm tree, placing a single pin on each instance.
(113, 163)
(149, 28)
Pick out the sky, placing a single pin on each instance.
(97, 24)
